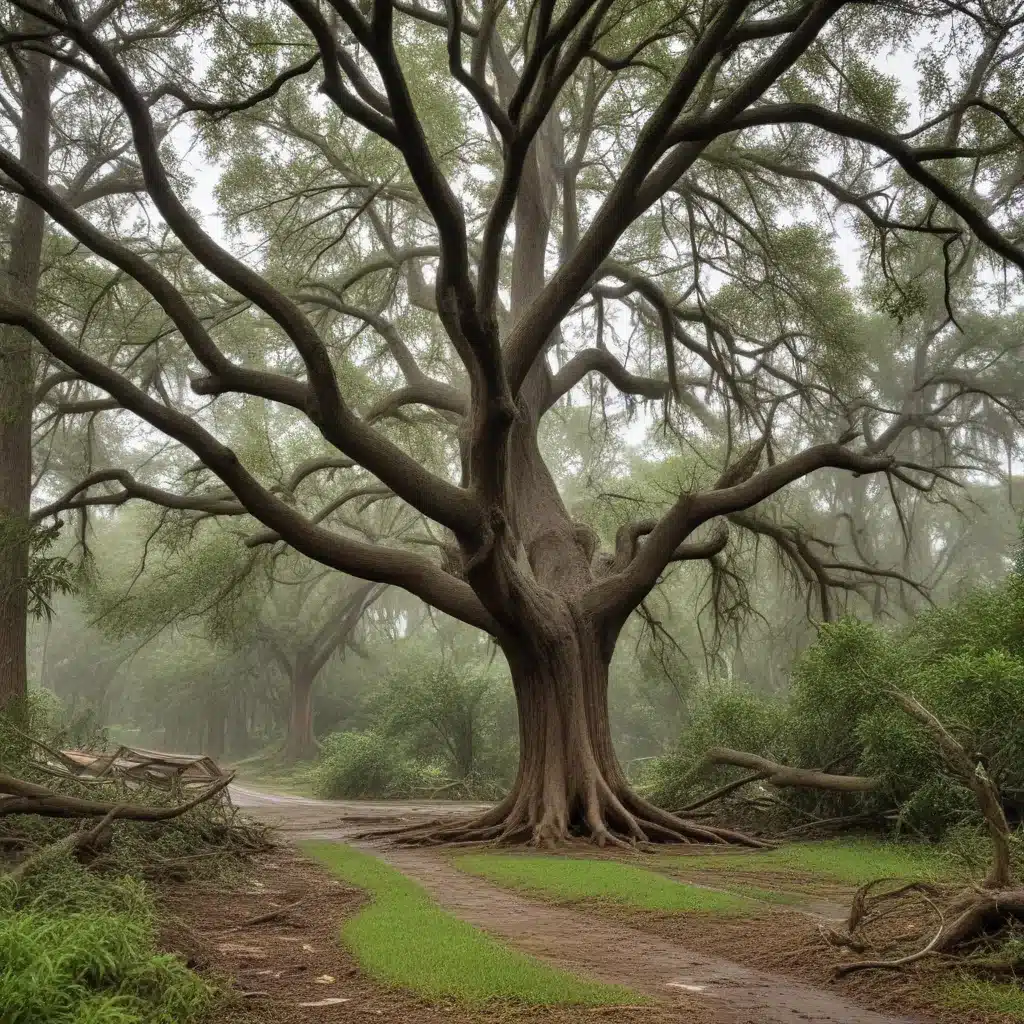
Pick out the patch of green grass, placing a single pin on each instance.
(79, 947)
(92, 968)
(404, 939)
(575, 879)
(852, 862)
(967, 993)
(268, 771)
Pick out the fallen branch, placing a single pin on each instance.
(862, 965)
(30, 798)
(722, 791)
(827, 823)
(976, 913)
(74, 843)
(782, 775)
(270, 915)
(1000, 872)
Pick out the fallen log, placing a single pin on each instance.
(782, 776)
(30, 798)
(77, 841)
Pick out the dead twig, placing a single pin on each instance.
(270, 915)
(862, 965)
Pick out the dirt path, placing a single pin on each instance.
(584, 943)
(294, 813)
(587, 944)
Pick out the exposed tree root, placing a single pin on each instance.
(966, 919)
(622, 820)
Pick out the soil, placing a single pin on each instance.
(281, 969)
(771, 967)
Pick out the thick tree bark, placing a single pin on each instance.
(569, 782)
(16, 386)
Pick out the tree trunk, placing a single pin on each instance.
(16, 387)
(300, 743)
(569, 782)
(238, 727)
(216, 722)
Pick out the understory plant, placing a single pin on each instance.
(964, 663)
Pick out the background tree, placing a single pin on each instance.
(464, 213)
(48, 113)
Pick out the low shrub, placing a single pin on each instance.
(358, 765)
(965, 663)
(79, 948)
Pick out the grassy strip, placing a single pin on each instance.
(404, 939)
(853, 862)
(78, 950)
(575, 879)
(967, 993)
(267, 771)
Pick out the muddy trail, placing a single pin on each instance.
(584, 943)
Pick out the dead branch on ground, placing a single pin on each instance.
(21, 797)
(969, 916)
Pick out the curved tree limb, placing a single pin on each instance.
(782, 776)
(372, 562)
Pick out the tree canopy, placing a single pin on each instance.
(451, 239)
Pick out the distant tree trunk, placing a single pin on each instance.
(238, 727)
(300, 743)
(21, 282)
(337, 630)
(216, 721)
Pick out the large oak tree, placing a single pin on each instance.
(445, 221)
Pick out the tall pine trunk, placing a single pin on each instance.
(21, 281)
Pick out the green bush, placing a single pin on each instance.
(435, 731)
(965, 663)
(462, 721)
(357, 765)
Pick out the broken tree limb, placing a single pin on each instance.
(721, 792)
(976, 913)
(862, 965)
(23, 797)
(782, 775)
(829, 823)
(73, 843)
(1000, 872)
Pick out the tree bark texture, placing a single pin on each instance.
(21, 283)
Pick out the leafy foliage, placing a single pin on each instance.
(91, 965)
(354, 765)
(965, 663)
(49, 575)
(436, 728)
